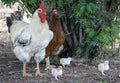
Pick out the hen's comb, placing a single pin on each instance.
(42, 7)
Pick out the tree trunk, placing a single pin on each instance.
(68, 40)
(74, 35)
(80, 36)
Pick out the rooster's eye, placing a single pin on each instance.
(40, 10)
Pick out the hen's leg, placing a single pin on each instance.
(38, 73)
(48, 66)
(24, 70)
(56, 52)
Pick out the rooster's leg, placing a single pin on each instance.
(24, 70)
(48, 66)
(38, 73)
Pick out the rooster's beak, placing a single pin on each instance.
(45, 13)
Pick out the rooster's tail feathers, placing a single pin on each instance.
(9, 23)
(14, 16)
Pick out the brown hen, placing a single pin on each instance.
(56, 45)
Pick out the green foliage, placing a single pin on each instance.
(78, 50)
(9, 2)
(109, 51)
(90, 32)
(54, 60)
(98, 20)
(104, 36)
(99, 28)
(91, 8)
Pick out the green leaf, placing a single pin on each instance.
(90, 32)
(91, 8)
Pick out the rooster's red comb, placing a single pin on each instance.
(42, 7)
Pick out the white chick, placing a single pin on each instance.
(57, 72)
(103, 67)
(65, 61)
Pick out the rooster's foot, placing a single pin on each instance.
(38, 73)
(27, 74)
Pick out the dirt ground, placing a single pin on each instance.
(78, 72)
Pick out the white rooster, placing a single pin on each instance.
(30, 39)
